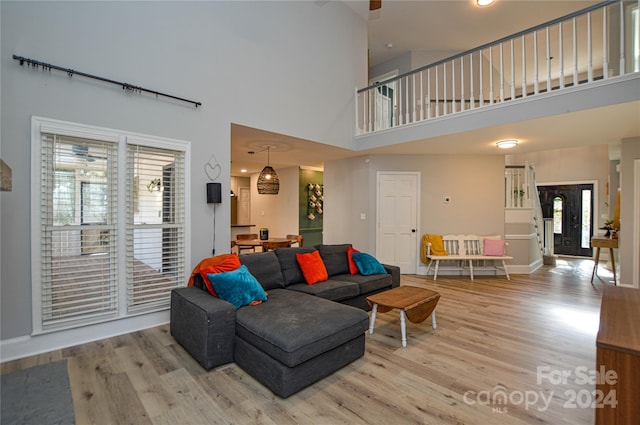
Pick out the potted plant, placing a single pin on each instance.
(608, 225)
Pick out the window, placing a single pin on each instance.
(155, 225)
(109, 217)
(557, 215)
(585, 231)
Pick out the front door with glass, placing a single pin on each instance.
(571, 207)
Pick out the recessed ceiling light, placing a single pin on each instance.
(507, 144)
(484, 2)
(244, 170)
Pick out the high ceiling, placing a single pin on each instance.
(447, 27)
(436, 30)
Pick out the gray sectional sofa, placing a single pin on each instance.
(301, 334)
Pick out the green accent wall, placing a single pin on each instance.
(311, 202)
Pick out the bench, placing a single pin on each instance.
(467, 249)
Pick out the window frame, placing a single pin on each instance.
(41, 125)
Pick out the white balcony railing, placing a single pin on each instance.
(521, 192)
(596, 43)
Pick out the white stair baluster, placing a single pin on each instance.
(445, 110)
(605, 47)
(524, 68)
(535, 63)
(406, 100)
(421, 99)
(357, 103)
(395, 120)
(589, 50)
(437, 106)
(491, 96)
(462, 101)
(399, 114)
(472, 99)
(513, 74)
(548, 61)
(370, 103)
(501, 73)
(379, 124)
(413, 100)
(622, 63)
(481, 83)
(429, 115)
(453, 87)
(575, 54)
(561, 55)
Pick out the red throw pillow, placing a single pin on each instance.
(230, 263)
(353, 269)
(312, 266)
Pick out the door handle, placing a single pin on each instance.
(413, 230)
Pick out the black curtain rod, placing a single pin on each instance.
(125, 86)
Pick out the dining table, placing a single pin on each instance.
(249, 243)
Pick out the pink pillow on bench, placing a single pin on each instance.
(493, 247)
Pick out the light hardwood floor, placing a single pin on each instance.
(492, 337)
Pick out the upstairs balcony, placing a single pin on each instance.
(586, 49)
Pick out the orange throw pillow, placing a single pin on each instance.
(353, 269)
(230, 263)
(312, 266)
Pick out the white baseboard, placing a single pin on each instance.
(525, 268)
(30, 345)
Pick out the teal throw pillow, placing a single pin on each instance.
(367, 264)
(239, 287)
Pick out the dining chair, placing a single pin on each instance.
(245, 236)
(271, 245)
(295, 239)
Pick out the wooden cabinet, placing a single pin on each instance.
(618, 350)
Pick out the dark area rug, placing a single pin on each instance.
(40, 395)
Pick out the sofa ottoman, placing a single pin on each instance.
(296, 339)
(203, 325)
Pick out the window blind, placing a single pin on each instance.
(78, 209)
(155, 240)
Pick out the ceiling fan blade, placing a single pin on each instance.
(375, 4)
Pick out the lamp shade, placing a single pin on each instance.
(268, 181)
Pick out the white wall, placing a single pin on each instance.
(278, 213)
(475, 185)
(347, 194)
(270, 65)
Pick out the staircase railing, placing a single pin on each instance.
(521, 192)
(595, 43)
(517, 186)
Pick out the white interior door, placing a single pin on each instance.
(244, 205)
(397, 212)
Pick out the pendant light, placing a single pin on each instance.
(268, 181)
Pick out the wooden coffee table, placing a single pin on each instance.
(414, 303)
